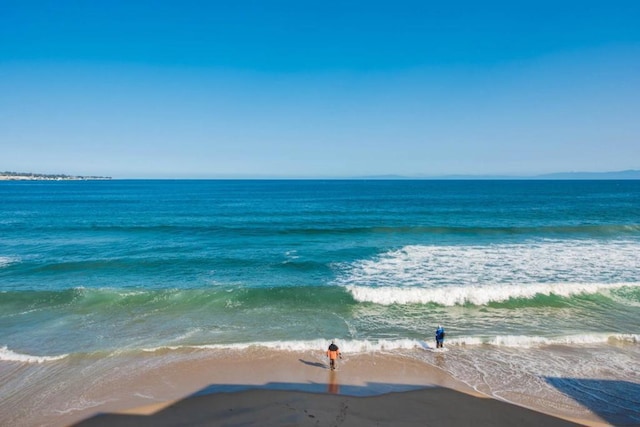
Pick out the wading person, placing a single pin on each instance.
(333, 353)
(440, 337)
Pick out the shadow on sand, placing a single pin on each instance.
(332, 386)
(314, 364)
(302, 404)
(616, 402)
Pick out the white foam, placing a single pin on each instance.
(465, 341)
(81, 404)
(524, 341)
(367, 346)
(188, 334)
(350, 346)
(291, 256)
(9, 355)
(6, 261)
(631, 338)
(539, 261)
(475, 294)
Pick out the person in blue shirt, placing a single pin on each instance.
(440, 337)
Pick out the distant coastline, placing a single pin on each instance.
(27, 176)
(631, 174)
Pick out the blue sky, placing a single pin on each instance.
(209, 89)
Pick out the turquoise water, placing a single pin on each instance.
(508, 267)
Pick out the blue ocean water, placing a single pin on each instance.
(510, 268)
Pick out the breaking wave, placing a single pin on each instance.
(381, 345)
(12, 356)
(477, 295)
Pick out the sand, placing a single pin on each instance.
(268, 388)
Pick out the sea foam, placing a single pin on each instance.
(6, 261)
(475, 294)
(357, 346)
(537, 261)
(11, 356)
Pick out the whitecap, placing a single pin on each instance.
(6, 261)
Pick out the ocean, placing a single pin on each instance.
(537, 283)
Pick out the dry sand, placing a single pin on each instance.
(267, 388)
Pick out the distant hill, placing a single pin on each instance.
(628, 174)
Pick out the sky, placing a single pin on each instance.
(303, 89)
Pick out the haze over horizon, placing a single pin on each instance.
(629, 174)
(283, 89)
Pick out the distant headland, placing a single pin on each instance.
(27, 176)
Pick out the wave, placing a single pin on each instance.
(523, 341)
(6, 261)
(382, 345)
(348, 346)
(11, 356)
(477, 295)
(167, 261)
(587, 230)
(113, 300)
(318, 227)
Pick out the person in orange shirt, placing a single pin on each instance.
(333, 353)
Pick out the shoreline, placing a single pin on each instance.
(158, 382)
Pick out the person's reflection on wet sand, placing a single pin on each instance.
(332, 386)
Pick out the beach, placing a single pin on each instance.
(122, 294)
(259, 387)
